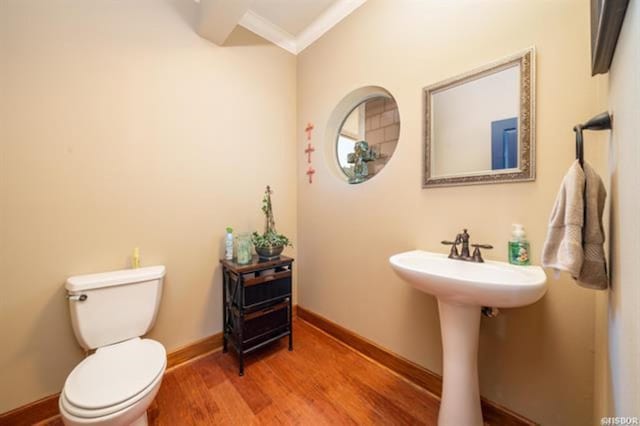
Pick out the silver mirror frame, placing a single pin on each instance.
(526, 136)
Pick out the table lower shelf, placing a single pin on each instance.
(256, 343)
(250, 347)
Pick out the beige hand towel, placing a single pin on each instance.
(563, 247)
(574, 245)
(593, 273)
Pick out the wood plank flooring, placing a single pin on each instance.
(322, 382)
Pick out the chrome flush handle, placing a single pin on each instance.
(77, 297)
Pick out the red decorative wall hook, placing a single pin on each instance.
(310, 172)
(309, 150)
(308, 130)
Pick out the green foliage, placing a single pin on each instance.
(270, 237)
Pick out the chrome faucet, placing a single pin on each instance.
(465, 255)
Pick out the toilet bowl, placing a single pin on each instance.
(115, 385)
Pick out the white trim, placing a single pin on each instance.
(327, 20)
(323, 23)
(268, 30)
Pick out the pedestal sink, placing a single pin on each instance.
(462, 288)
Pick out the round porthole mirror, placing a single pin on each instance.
(367, 138)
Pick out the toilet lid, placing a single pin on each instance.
(115, 373)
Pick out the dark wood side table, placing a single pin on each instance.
(257, 303)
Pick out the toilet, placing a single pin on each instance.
(110, 312)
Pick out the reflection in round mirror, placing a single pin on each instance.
(367, 138)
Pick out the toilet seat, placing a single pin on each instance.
(114, 378)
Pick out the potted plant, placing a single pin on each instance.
(270, 244)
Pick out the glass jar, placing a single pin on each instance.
(243, 249)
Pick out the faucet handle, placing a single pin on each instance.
(453, 254)
(477, 256)
(482, 246)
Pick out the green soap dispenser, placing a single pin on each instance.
(519, 246)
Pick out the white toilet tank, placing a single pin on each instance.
(111, 307)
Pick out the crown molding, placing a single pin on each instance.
(269, 31)
(323, 23)
(327, 20)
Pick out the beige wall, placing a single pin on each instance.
(617, 372)
(122, 128)
(536, 360)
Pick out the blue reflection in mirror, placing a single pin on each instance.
(504, 144)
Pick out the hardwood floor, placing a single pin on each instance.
(322, 382)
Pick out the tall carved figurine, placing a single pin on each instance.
(359, 158)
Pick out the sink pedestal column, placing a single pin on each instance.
(460, 329)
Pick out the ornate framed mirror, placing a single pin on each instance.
(479, 126)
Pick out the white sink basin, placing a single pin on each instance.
(491, 283)
(462, 288)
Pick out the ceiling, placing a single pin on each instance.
(295, 24)
(292, 16)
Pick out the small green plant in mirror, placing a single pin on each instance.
(270, 244)
(359, 158)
